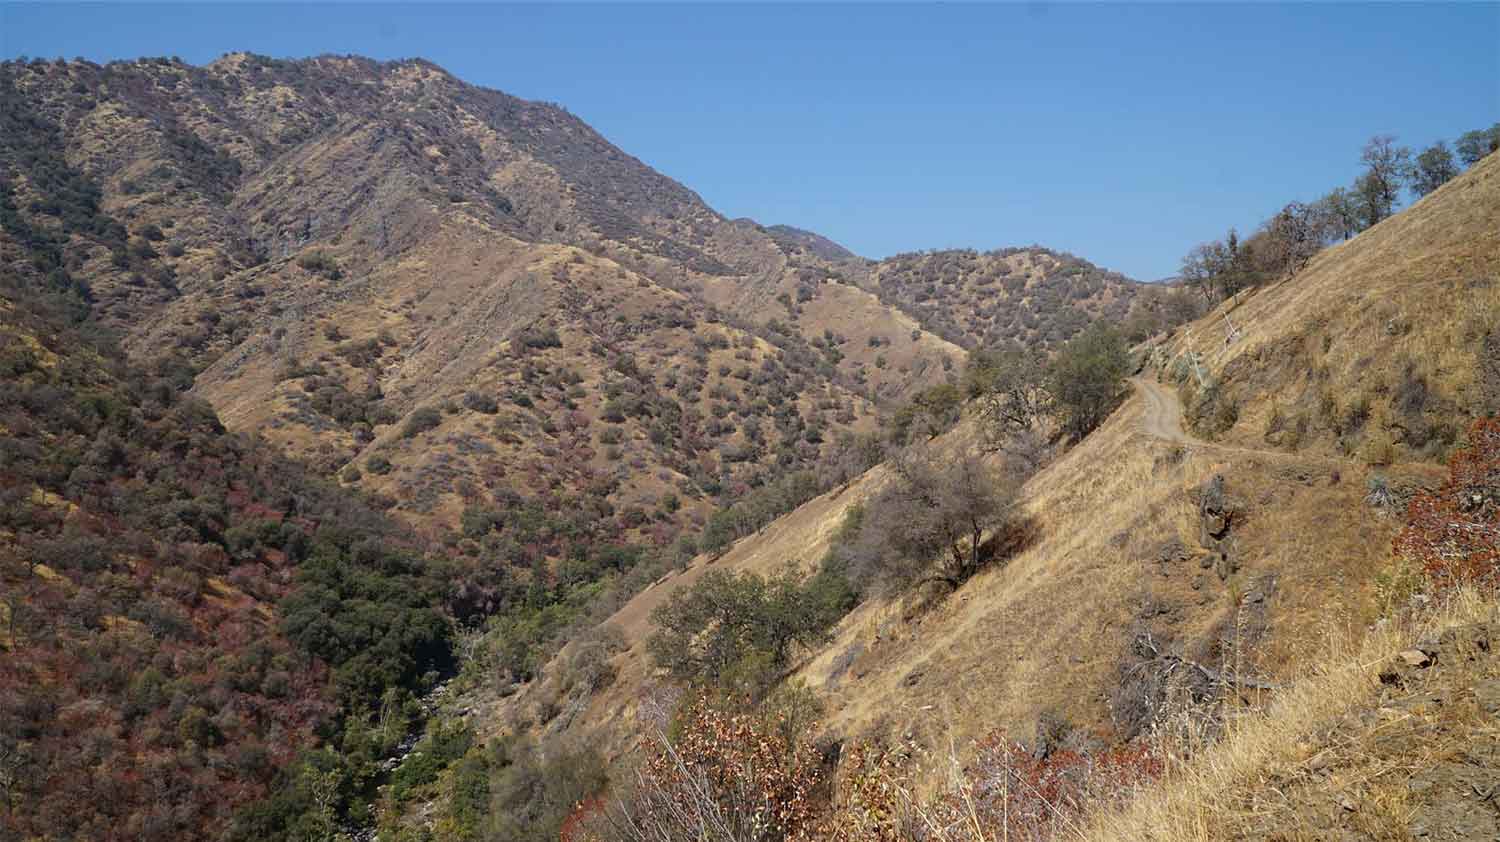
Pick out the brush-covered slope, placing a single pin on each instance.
(442, 291)
(155, 676)
(1383, 347)
(1033, 296)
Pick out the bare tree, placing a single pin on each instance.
(1387, 166)
(1202, 266)
(1292, 238)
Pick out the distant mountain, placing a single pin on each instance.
(794, 239)
(1034, 296)
(441, 291)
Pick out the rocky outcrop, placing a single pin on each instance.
(1217, 512)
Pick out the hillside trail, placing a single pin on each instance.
(1161, 413)
(1161, 418)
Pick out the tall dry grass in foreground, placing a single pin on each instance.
(1202, 796)
(1187, 786)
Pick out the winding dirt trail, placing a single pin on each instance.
(1161, 412)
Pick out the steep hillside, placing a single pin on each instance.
(1391, 737)
(1147, 545)
(1051, 631)
(183, 612)
(435, 288)
(1382, 348)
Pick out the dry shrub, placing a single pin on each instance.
(1454, 533)
(725, 776)
(1009, 792)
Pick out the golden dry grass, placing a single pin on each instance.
(1047, 630)
(1414, 295)
(1247, 784)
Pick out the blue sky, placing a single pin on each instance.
(1123, 133)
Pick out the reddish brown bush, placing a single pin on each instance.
(1454, 532)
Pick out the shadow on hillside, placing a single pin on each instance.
(1009, 541)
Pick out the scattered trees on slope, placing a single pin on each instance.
(1282, 245)
(1017, 390)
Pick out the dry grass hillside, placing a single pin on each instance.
(532, 369)
(1125, 540)
(1381, 348)
(1388, 736)
(1050, 631)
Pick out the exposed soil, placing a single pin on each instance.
(1161, 412)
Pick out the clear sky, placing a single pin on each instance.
(1125, 134)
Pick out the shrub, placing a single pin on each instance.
(1454, 532)
(481, 402)
(320, 263)
(725, 776)
(532, 793)
(1007, 792)
(538, 337)
(420, 421)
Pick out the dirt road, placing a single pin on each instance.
(1161, 412)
